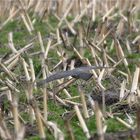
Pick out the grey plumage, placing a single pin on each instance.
(79, 73)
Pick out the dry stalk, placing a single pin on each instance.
(135, 80)
(57, 98)
(15, 113)
(38, 119)
(45, 98)
(47, 48)
(72, 102)
(62, 86)
(9, 61)
(13, 63)
(25, 69)
(41, 42)
(122, 90)
(81, 43)
(121, 55)
(124, 123)
(26, 23)
(84, 105)
(82, 122)
(58, 35)
(109, 12)
(26, 15)
(74, 97)
(93, 10)
(70, 27)
(32, 71)
(59, 7)
(94, 55)
(78, 17)
(66, 13)
(9, 18)
(132, 97)
(25, 48)
(17, 55)
(69, 129)
(99, 123)
(11, 85)
(20, 134)
(8, 72)
(11, 44)
(58, 134)
(93, 71)
(128, 47)
(104, 37)
(28, 90)
(4, 132)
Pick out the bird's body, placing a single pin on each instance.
(79, 73)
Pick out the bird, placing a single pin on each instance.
(78, 73)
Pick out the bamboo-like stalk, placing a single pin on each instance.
(128, 47)
(69, 129)
(66, 13)
(25, 69)
(74, 97)
(93, 71)
(58, 35)
(99, 124)
(94, 57)
(11, 86)
(15, 113)
(58, 134)
(38, 119)
(45, 98)
(9, 18)
(11, 44)
(109, 12)
(63, 86)
(72, 102)
(41, 42)
(120, 27)
(20, 134)
(82, 122)
(8, 72)
(93, 10)
(124, 123)
(26, 23)
(122, 90)
(78, 17)
(13, 63)
(70, 27)
(120, 55)
(84, 105)
(9, 61)
(47, 48)
(59, 7)
(135, 80)
(81, 43)
(58, 99)
(26, 15)
(32, 71)
(28, 90)
(4, 131)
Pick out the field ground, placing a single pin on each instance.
(35, 44)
